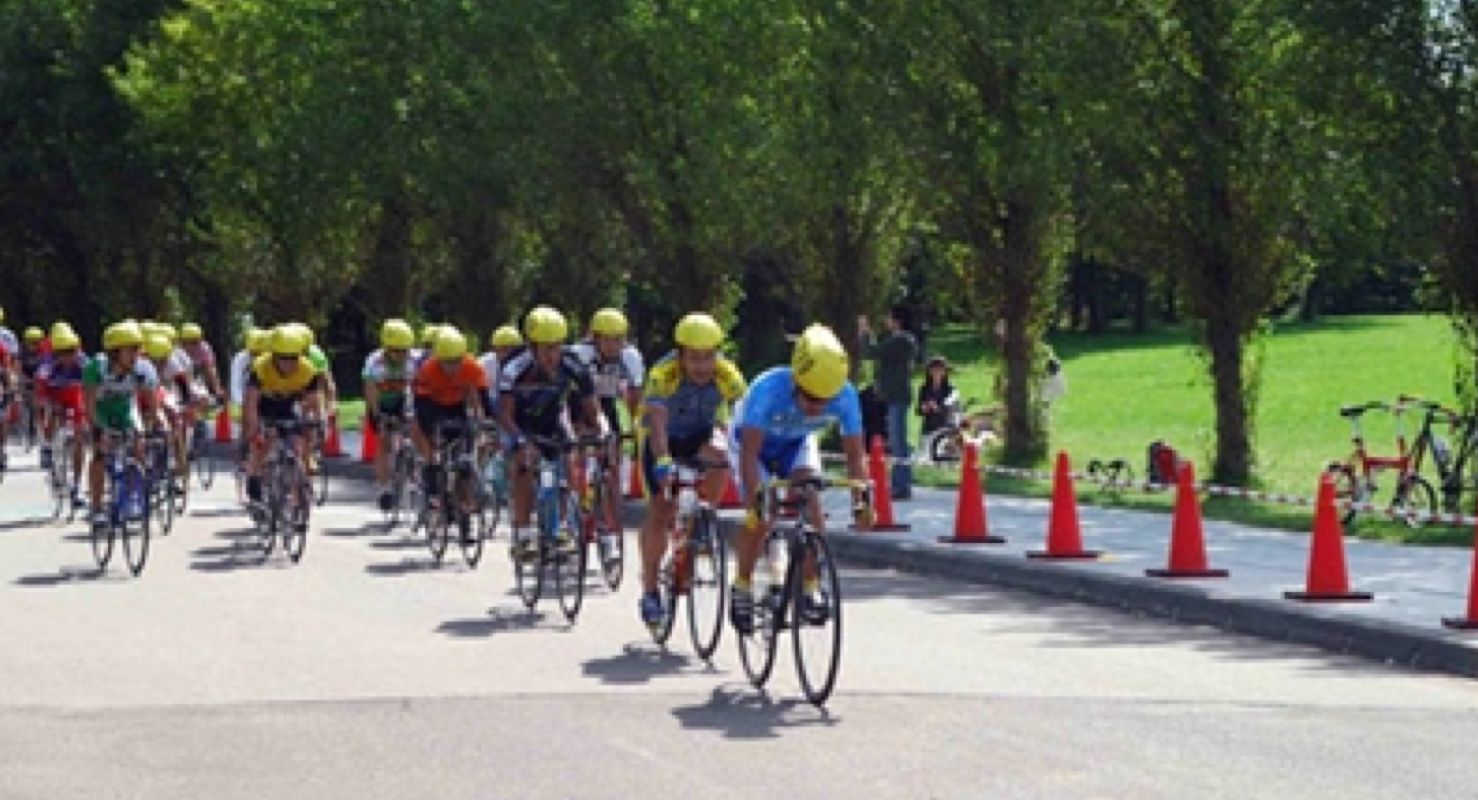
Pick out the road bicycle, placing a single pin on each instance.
(794, 550)
(127, 503)
(1355, 483)
(163, 492)
(492, 471)
(457, 503)
(61, 481)
(600, 529)
(1112, 476)
(198, 451)
(287, 493)
(695, 567)
(405, 473)
(551, 547)
(1450, 455)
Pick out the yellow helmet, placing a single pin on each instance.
(258, 340)
(305, 333)
(428, 334)
(157, 346)
(507, 336)
(450, 344)
(395, 333)
(167, 331)
(191, 332)
(609, 322)
(545, 325)
(64, 338)
(34, 334)
(698, 331)
(123, 334)
(819, 362)
(287, 340)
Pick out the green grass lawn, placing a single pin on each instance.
(1126, 390)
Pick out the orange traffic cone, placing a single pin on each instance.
(332, 447)
(1187, 540)
(369, 443)
(882, 493)
(223, 426)
(1328, 579)
(970, 524)
(1064, 534)
(1470, 622)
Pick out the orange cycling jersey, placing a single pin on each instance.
(444, 388)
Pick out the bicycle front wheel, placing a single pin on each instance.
(135, 528)
(570, 564)
(816, 623)
(610, 543)
(299, 496)
(320, 495)
(707, 585)
(162, 501)
(439, 521)
(202, 463)
(1348, 489)
(470, 520)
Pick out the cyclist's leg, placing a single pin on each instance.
(655, 526)
(100, 449)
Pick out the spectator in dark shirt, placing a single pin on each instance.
(894, 355)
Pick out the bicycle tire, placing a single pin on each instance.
(295, 531)
(102, 538)
(1348, 488)
(202, 462)
(528, 573)
(948, 445)
(817, 686)
(1414, 499)
(469, 523)
(570, 567)
(320, 496)
(610, 544)
(135, 532)
(757, 650)
(438, 528)
(61, 467)
(162, 502)
(707, 584)
(667, 590)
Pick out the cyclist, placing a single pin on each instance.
(536, 392)
(774, 433)
(253, 344)
(283, 387)
(503, 342)
(10, 350)
(59, 397)
(172, 367)
(687, 399)
(33, 348)
(617, 370)
(119, 391)
(449, 387)
(205, 379)
(387, 378)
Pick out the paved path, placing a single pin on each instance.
(364, 672)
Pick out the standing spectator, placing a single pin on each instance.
(894, 356)
(936, 395)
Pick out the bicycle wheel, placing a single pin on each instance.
(667, 579)
(1415, 500)
(610, 544)
(320, 494)
(817, 632)
(162, 502)
(202, 462)
(947, 446)
(470, 529)
(757, 649)
(135, 528)
(570, 566)
(57, 480)
(1348, 489)
(439, 520)
(528, 571)
(299, 494)
(103, 535)
(707, 584)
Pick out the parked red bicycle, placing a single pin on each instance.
(1355, 478)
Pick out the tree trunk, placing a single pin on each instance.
(1022, 292)
(1233, 464)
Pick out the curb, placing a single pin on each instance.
(1375, 640)
(1280, 621)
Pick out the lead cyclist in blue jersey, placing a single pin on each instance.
(774, 433)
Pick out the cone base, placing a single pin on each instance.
(972, 540)
(1329, 597)
(1081, 555)
(1460, 624)
(879, 529)
(1187, 573)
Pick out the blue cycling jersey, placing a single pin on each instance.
(771, 405)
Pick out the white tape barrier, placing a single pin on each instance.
(1109, 484)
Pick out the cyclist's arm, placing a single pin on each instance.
(656, 430)
(250, 397)
(751, 442)
(506, 405)
(90, 401)
(856, 454)
(371, 399)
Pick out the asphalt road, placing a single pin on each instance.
(364, 672)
